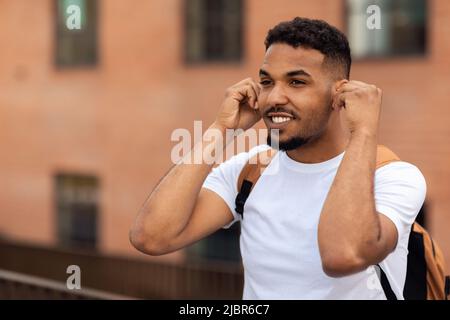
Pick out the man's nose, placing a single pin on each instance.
(277, 96)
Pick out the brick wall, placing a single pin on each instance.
(115, 120)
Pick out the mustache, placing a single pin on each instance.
(281, 109)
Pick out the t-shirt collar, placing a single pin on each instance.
(310, 167)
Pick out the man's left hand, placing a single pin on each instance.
(360, 106)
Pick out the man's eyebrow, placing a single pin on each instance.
(294, 73)
(298, 73)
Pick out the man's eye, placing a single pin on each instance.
(297, 82)
(264, 82)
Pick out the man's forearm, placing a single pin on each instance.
(349, 224)
(168, 208)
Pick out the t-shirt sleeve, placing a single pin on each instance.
(400, 190)
(223, 179)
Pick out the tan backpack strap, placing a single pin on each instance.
(249, 176)
(435, 263)
(255, 166)
(385, 156)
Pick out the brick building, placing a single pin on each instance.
(86, 116)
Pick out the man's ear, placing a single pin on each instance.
(334, 89)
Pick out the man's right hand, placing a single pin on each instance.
(178, 212)
(240, 109)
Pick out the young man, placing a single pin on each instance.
(316, 228)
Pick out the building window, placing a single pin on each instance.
(223, 245)
(213, 30)
(76, 47)
(77, 210)
(402, 31)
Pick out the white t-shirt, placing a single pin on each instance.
(279, 242)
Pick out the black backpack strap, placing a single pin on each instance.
(249, 175)
(447, 287)
(242, 196)
(390, 295)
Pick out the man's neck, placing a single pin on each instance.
(323, 149)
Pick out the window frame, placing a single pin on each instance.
(395, 57)
(60, 65)
(66, 241)
(188, 62)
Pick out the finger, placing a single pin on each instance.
(247, 81)
(355, 85)
(256, 89)
(360, 83)
(340, 100)
(248, 95)
(337, 99)
(256, 86)
(348, 87)
(253, 96)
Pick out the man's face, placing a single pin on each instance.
(296, 94)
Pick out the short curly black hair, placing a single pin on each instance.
(314, 34)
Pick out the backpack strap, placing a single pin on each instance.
(254, 167)
(428, 264)
(249, 176)
(385, 156)
(389, 293)
(447, 287)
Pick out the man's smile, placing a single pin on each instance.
(278, 120)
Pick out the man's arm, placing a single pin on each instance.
(176, 200)
(179, 212)
(352, 235)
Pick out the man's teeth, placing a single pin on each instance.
(280, 119)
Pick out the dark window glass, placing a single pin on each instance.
(213, 30)
(402, 32)
(77, 210)
(223, 245)
(76, 47)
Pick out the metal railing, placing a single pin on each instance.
(18, 286)
(129, 277)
